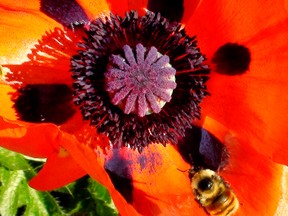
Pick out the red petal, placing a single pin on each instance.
(59, 170)
(20, 5)
(121, 7)
(35, 140)
(189, 9)
(161, 183)
(161, 187)
(219, 22)
(252, 105)
(21, 26)
(89, 160)
(49, 61)
(266, 89)
(255, 180)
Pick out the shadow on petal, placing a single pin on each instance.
(91, 162)
(22, 24)
(49, 61)
(63, 11)
(161, 183)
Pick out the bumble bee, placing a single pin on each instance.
(213, 193)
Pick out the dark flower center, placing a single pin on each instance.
(139, 80)
(140, 83)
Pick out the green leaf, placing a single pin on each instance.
(16, 195)
(89, 198)
(104, 203)
(4, 176)
(10, 192)
(38, 205)
(83, 197)
(12, 160)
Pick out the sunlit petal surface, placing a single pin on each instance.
(254, 100)
(255, 179)
(246, 110)
(17, 36)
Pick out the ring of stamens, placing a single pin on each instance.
(125, 76)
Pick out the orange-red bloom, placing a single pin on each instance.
(245, 112)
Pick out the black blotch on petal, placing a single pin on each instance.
(45, 103)
(118, 170)
(123, 185)
(189, 146)
(232, 59)
(214, 152)
(170, 9)
(203, 150)
(63, 11)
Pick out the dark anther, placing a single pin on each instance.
(123, 185)
(232, 59)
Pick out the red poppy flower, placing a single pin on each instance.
(45, 61)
